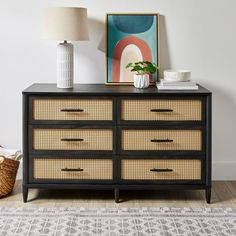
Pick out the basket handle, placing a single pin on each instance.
(2, 159)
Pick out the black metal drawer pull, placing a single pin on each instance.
(162, 140)
(161, 110)
(72, 110)
(72, 139)
(161, 170)
(71, 170)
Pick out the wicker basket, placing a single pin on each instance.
(8, 171)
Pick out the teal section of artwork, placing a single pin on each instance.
(133, 24)
(115, 35)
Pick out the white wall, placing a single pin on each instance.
(199, 35)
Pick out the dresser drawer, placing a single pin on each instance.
(161, 110)
(160, 169)
(72, 139)
(91, 169)
(72, 109)
(161, 140)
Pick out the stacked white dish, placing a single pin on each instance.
(177, 80)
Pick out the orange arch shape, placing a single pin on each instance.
(141, 44)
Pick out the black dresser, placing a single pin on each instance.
(116, 137)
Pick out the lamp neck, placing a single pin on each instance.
(65, 41)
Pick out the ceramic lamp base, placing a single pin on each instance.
(65, 65)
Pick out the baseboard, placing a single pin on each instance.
(221, 171)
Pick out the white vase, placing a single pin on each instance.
(141, 81)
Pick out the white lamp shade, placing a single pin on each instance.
(66, 23)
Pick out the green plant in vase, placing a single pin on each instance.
(142, 71)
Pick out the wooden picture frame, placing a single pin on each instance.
(130, 37)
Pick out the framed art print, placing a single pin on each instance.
(130, 38)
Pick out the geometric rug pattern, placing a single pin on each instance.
(117, 221)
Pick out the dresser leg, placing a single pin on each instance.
(208, 195)
(117, 195)
(25, 193)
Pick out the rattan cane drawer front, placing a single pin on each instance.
(91, 169)
(73, 139)
(161, 169)
(161, 110)
(161, 140)
(72, 109)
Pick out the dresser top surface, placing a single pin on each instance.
(102, 89)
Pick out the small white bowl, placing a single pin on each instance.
(177, 75)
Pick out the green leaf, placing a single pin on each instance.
(137, 68)
(148, 62)
(142, 67)
(129, 65)
(153, 71)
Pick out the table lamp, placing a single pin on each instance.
(63, 24)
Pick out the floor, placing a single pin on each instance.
(223, 195)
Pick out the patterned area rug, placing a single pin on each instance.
(117, 221)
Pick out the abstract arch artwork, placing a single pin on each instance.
(130, 38)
